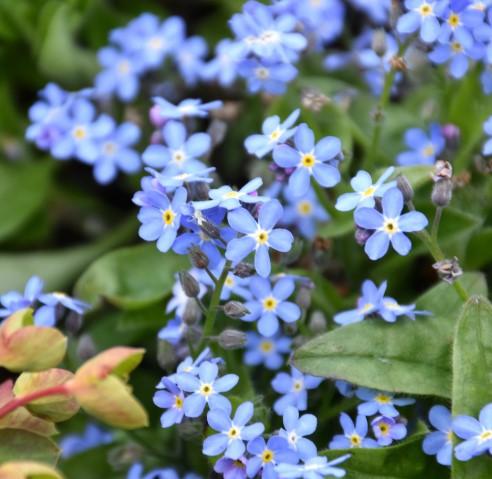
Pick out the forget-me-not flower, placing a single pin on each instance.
(268, 77)
(93, 436)
(380, 402)
(295, 428)
(424, 148)
(423, 16)
(354, 435)
(266, 351)
(190, 107)
(439, 443)
(12, 301)
(387, 429)
(316, 467)
(172, 399)
(189, 58)
(223, 66)
(231, 468)
(46, 315)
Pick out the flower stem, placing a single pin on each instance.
(17, 402)
(436, 223)
(213, 306)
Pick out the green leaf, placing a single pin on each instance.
(75, 467)
(478, 251)
(18, 445)
(23, 190)
(409, 356)
(130, 278)
(403, 461)
(472, 380)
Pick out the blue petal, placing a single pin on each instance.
(215, 444)
(262, 261)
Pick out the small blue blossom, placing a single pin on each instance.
(316, 467)
(180, 152)
(172, 399)
(259, 236)
(173, 331)
(389, 226)
(14, 301)
(231, 432)
(459, 23)
(309, 159)
(377, 10)
(273, 133)
(174, 176)
(424, 148)
(266, 351)
(230, 199)
(93, 436)
(365, 190)
(294, 388)
(191, 107)
(231, 468)
(380, 402)
(354, 435)
(423, 16)
(440, 443)
(223, 67)
(296, 428)
(161, 221)
(386, 430)
(266, 455)
(345, 388)
(189, 58)
(487, 128)
(268, 77)
(477, 434)
(270, 304)
(137, 470)
(205, 389)
(390, 310)
(46, 315)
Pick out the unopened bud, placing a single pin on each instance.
(317, 322)
(189, 284)
(166, 356)
(452, 135)
(120, 457)
(197, 191)
(217, 131)
(362, 235)
(379, 44)
(193, 333)
(442, 193)
(198, 258)
(398, 63)
(314, 100)
(86, 347)
(189, 430)
(448, 269)
(192, 312)
(303, 297)
(210, 229)
(290, 328)
(243, 270)
(442, 170)
(405, 187)
(232, 339)
(235, 310)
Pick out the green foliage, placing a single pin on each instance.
(19, 445)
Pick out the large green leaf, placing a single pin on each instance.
(23, 190)
(404, 461)
(22, 445)
(472, 380)
(131, 277)
(409, 356)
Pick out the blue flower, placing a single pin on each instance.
(345, 388)
(424, 149)
(115, 153)
(223, 67)
(46, 315)
(190, 107)
(136, 471)
(386, 430)
(487, 128)
(231, 468)
(189, 58)
(161, 221)
(178, 301)
(266, 455)
(389, 226)
(173, 176)
(180, 152)
(365, 191)
(315, 467)
(172, 399)
(233, 285)
(265, 76)
(354, 435)
(14, 301)
(380, 402)
(459, 23)
(173, 331)
(390, 310)
(377, 10)
(258, 236)
(205, 389)
(232, 432)
(271, 304)
(422, 16)
(296, 428)
(294, 389)
(93, 436)
(266, 351)
(273, 133)
(120, 75)
(304, 212)
(477, 434)
(440, 443)
(230, 199)
(309, 159)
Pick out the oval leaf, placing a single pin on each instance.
(19, 445)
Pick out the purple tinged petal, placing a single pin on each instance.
(254, 430)
(347, 424)
(194, 405)
(440, 417)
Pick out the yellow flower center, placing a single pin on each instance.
(124, 67)
(234, 433)
(262, 237)
(266, 346)
(305, 208)
(390, 304)
(168, 217)
(384, 429)
(425, 9)
(59, 295)
(390, 226)
(368, 192)
(206, 389)
(355, 440)
(155, 43)
(308, 160)
(262, 73)
(178, 402)
(109, 148)
(297, 386)
(79, 133)
(270, 303)
(275, 134)
(485, 436)
(383, 399)
(367, 307)
(457, 47)
(178, 156)
(232, 195)
(454, 20)
(229, 282)
(449, 436)
(267, 456)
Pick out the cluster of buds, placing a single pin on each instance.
(443, 184)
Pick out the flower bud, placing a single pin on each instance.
(155, 117)
(317, 322)
(193, 333)
(166, 356)
(314, 100)
(442, 170)
(210, 229)
(405, 187)
(448, 269)
(452, 135)
(192, 312)
(362, 235)
(232, 339)
(198, 258)
(189, 430)
(379, 44)
(86, 347)
(243, 270)
(442, 193)
(235, 310)
(290, 328)
(303, 297)
(189, 284)
(198, 191)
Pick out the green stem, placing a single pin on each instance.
(436, 223)
(208, 327)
